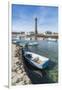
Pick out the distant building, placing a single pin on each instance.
(48, 33)
(32, 33)
(55, 33)
(15, 35)
(20, 35)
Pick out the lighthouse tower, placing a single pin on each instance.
(36, 32)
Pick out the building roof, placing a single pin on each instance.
(15, 32)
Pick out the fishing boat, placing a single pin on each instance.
(22, 44)
(36, 60)
(32, 43)
(52, 39)
(14, 41)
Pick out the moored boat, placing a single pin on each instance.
(52, 39)
(32, 43)
(36, 60)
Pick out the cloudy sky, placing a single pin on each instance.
(23, 18)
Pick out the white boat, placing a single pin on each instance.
(22, 44)
(14, 41)
(36, 60)
(32, 43)
(52, 39)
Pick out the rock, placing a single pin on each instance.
(19, 71)
(21, 66)
(13, 75)
(24, 73)
(14, 80)
(14, 69)
(23, 70)
(25, 77)
(18, 80)
(26, 80)
(19, 76)
(21, 83)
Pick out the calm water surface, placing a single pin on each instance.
(50, 50)
(50, 74)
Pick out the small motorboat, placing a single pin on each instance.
(36, 60)
(32, 43)
(52, 39)
(14, 41)
(22, 44)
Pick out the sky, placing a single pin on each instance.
(23, 18)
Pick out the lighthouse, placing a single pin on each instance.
(36, 32)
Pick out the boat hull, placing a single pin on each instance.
(42, 66)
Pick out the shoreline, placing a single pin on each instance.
(18, 73)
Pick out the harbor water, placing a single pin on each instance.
(48, 49)
(50, 74)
